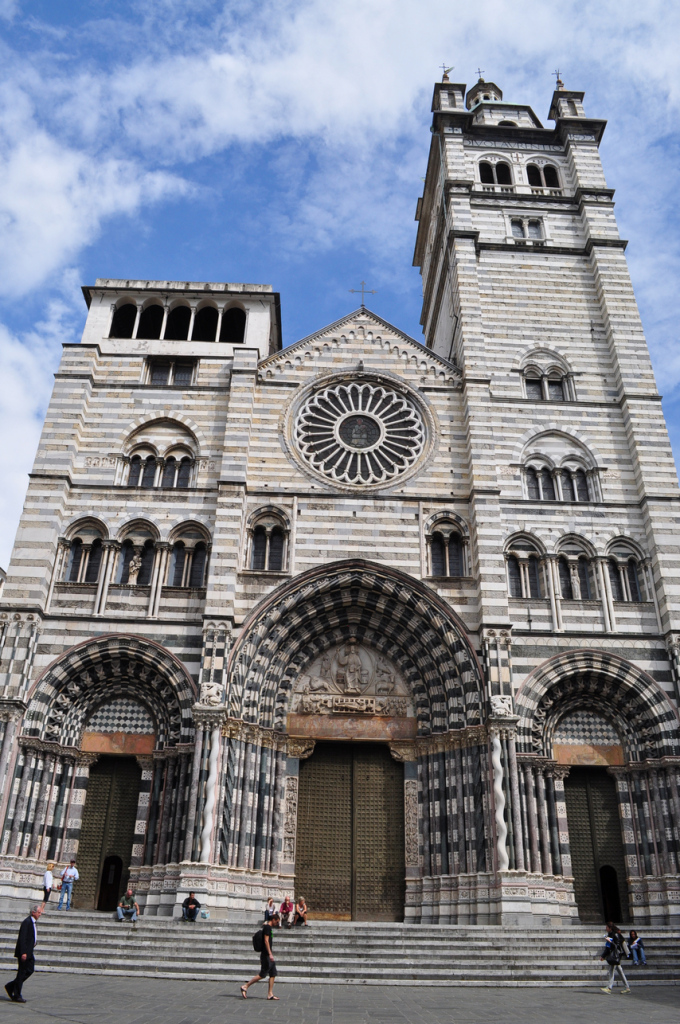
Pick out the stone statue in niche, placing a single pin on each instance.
(351, 679)
(133, 569)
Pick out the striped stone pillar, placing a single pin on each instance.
(192, 800)
(180, 804)
(543, 824)
(660, 820)
(10, 716)
(672, 765)
(58, 827)
(27, 766)
(641, 819)
(74, 821)
(516, 802)
(634, 868)
(39, 813)
(143, 806)
(559, 774)
(166, 809)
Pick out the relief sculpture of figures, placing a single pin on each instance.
(349, 659)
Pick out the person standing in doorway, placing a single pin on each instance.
(23, 951)
(48, 882)
(267, 963)
(612, 954)
(68, 876)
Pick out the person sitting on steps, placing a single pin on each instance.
(300, 911)
(637, 948)
(190, 908)
(269, 910)
(287, 911)
(128, 907)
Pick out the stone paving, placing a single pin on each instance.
(84, 999)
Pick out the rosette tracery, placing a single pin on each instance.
(359, 433)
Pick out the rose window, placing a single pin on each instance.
(359, 433)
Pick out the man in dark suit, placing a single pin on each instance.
(28, 936)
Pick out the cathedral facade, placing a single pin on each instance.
(394, 626)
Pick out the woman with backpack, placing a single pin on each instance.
(612, 954)
(262, 944)
(637, 948)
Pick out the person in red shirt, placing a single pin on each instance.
(287, 911)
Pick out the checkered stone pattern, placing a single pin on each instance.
(121, 716)
(106, 669)
(408, 624)
(581, 727)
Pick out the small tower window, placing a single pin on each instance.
(135, 471)
(534, 577)
(543, 177)
(550, 177)
(517, 228)
(534, 176)
(268, 544)
(123, 323)
(150, 322)
(183, 374)
(535, 229)
(205, 324)
(615, 579)
(486, 174)
(184, 472)
(177, 326)
(176, 575)
(533, 490)
(534, 388)
(169, 470)
(126, 553)
(146, 568)
(94, 562)
(582, 492)
(233, 326)
(503, 175)
(276, 542)
(547, 485)
(159, 374)
(259, 548)
(568, 487)
(555, 390)
(514, 577)
(197, 573)
(633, 580)
(74, 560)
(584, 578)
(495, 174)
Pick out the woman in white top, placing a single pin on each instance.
(48, 882)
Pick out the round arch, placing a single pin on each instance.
(606, 684)
(101, 670)
(387, 610)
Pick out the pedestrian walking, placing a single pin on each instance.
(68, 876)
(637, 948)
(48, 882)
(23, 951)
(262, 943)
(612, 954)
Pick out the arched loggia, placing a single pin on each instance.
(380, 606)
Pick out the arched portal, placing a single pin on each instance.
(608, 730)
(344, 656)
(104, 759)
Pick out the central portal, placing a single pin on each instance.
(350, 838)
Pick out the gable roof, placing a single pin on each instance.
(351, 318)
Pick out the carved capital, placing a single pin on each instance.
(209, 717)
(302, 748)
(11, 710)
(403, 751)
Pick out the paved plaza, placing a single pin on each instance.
(88, 999)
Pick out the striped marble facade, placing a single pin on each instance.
(510, 604)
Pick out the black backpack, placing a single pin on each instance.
(615, 951)
(258, 940)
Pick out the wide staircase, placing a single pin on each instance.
(327, 953)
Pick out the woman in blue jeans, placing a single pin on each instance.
(636, 946)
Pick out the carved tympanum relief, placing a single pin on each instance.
(352, 679)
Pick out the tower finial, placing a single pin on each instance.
(480, 73)
(445, 72)
(559, 84)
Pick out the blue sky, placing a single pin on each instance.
(285, 143)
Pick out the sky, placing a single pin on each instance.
(285, 143)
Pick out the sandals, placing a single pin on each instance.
(276, 997)
(244, 991)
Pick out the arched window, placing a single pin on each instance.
(584, 578)
(124, 559)
(633, 580)
(94, 562)
(534, 176)
(149, 474)
(268, 543)
(543, 177)
(135, 471)
(177, 325)
(197, 572)
(547, 485)
(205, 324)
(507, 124)
(495, 174)
(581, 480)
(615, 579)
(146, 568)
(565, 580)
(568, 487)
(177, 560)
(514, 577)
(438, 555)
(169, 471)
(184, 472)
(74, 560)
(276, 543)
(533, 490)
(259, 556)
(555, 389)
(534, 577)
(123, 323)
(534, 388)
(233, 326)
(551, 177)
(150, 322)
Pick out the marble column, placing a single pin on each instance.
(39, 814)
(30, 761)
(192, 801)
(532, 817)
(543, 825)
